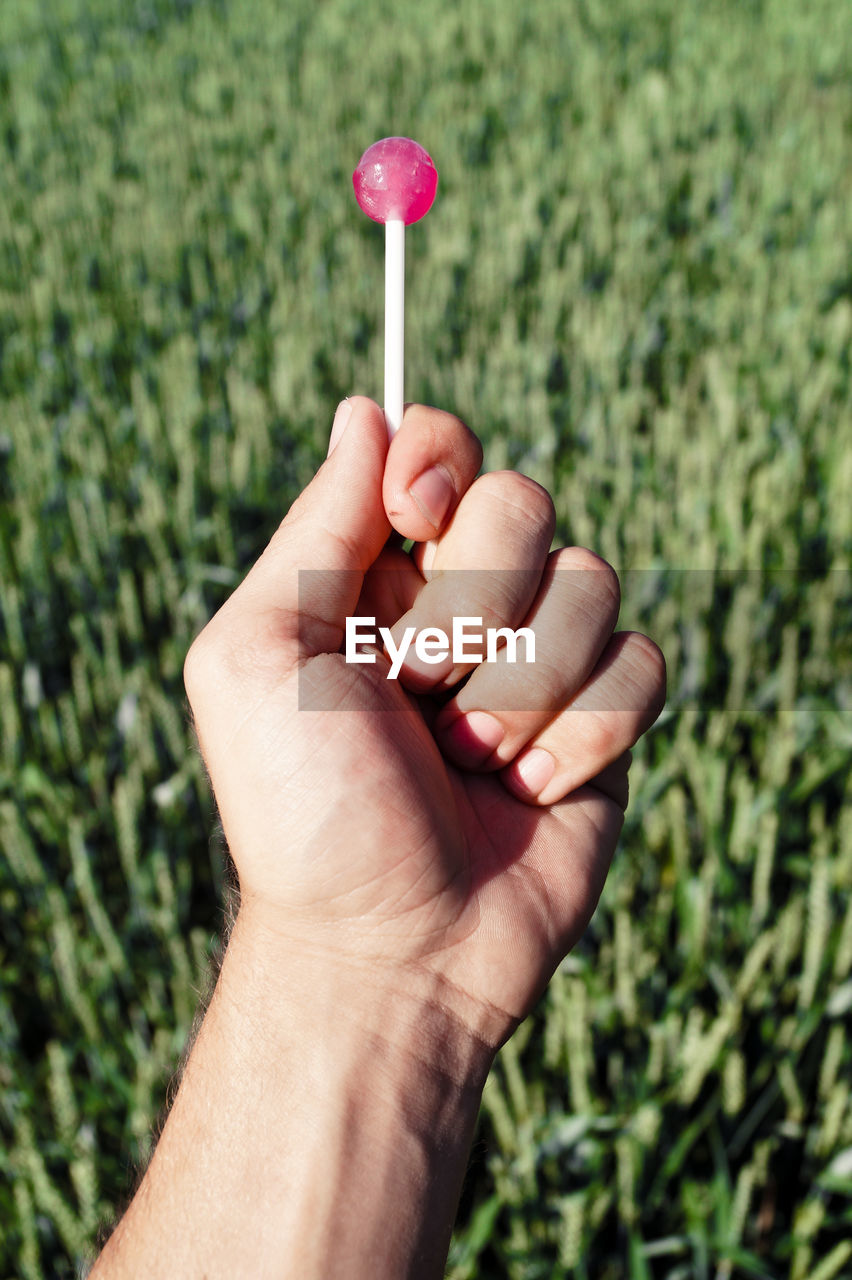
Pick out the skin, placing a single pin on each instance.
(404, 894)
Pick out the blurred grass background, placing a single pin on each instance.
(636, 285)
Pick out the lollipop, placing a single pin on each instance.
(395, 183)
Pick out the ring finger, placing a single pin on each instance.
(507, 702)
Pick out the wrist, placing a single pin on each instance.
(380, 1080)
(405, 1020)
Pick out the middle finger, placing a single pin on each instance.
(487, 565)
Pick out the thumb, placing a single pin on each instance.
(309, 578)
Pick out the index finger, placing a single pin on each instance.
(432, 461)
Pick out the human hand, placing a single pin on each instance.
(384, 836)
(404, 893)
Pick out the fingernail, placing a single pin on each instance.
(433, 492)
(473, 737)
(341, 417)
(533, 770)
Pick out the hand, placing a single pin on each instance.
(380, 834)
(409, 874)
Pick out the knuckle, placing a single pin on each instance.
(608, 585)
(435, 422)
(520, 493)
(473, 443)
(230, 661)
(216, 656)
(644, 668)
(649, 657)
(447, 423)
(443, 436)
(605, 582)
(198, 666)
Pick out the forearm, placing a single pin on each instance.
(321, 1128)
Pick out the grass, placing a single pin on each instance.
(636, 285)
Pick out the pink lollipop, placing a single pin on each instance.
(395, 183)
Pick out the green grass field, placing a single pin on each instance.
(636, 285)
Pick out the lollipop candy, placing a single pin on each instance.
(395, 183)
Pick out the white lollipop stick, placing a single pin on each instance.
(395, 183)
(394, 323)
